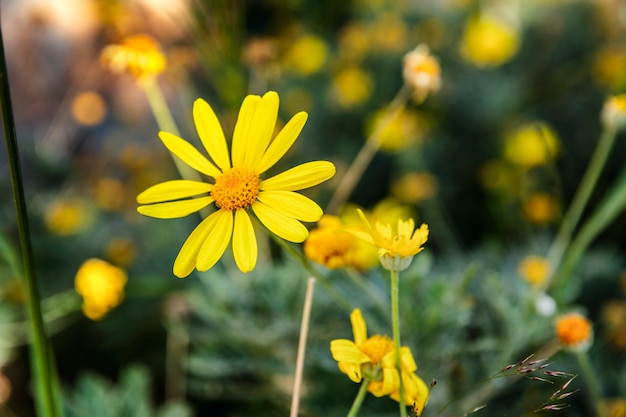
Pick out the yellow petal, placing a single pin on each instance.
(415, 392)
(185, 262)
(302, 176)
(175, 209)
(173, 190)
(188, 154)
(216, 241)
(211, 133)
(366, 237)
(406, 360)
(359, 329)
(282, 142)
(352, 370)
(262, 129)
(292, 205)
(244, 242)
(285, 227)
(344, 350)
(243, 129)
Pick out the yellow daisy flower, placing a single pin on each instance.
(374, 359)
(237, 188)
(102, 287)
(395, 251)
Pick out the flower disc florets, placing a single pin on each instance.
(236, 188)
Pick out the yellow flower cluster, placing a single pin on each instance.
(137, 55)
(68, 216)
(101, 285)
(531, 144)
(488, 41)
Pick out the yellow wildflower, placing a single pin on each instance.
(415, 187)
(352, 86)
(333, 247)
(396, 248)
(237, 185)
(137, 55)
(68, 216)
(614, 112)
(574, 331)
(88, 108)
(609, 67)
(534, 269)
(422, 72)
(540, 208)
(531, 144)
(307, 55)
(488, 41)
(101, 285)
(374, 359)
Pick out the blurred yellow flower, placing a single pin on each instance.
(237, 186)
(110, 194)
(540, 208)
(614, 407)
(388, 210)
(415, 187)
(330, 245)
(121, 251)
(88, 108)
(354, 42)
(489, 41)
(306, 55)
(352, 86)
(101, 285)
(396, 248)
(388, 33)
(534, 269)
(531, 144)
(422, 72)
(614, 112)
(614, 323)
(496, 175)
(402, 129)
(374, 359)
(609, 67)
(574, 331)
(68, 216)
(137, 55)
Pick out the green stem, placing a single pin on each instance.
(592, 382)
(587, 184)
(358, 400)
(39, 348)
(395, 315)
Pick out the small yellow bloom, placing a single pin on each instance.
(307, 55)
(330, 245)
(422, 72)
(352, 86)
(137, 55)
(398, 131)
(614, 112)
(237, 187)
(488, 41)
(374, 359)
(540, 208)
(531, 144)
(68, 216)
(102, 287)
(574, 331)
(396, 248)
(534, 269)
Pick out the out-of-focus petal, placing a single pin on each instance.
(359, 328)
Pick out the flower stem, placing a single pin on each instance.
(395, 316)
(304, 330)
(367, 152)
(39, 348)
(592, 382)
(358, 400)
(573, 214)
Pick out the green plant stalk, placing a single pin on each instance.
(581, 198)
(592, 382)
(358, 400)
(395, 317)
(607, 211)
(40, 354)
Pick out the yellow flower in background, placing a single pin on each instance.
(88, 108)
(396, 248)
(415, 187)
(137, 55)
(306, 55)
(609, 67)
(237, 185)
(352, 86)
(121, 251)
(540, 208)
(614, 407)
(531, 144)
(401, 130)
(489, 41)
(535, 270)
(330, 245)
(68, 216)
(101, 285)
(388, 210)
(614, 112)
(574, 331)
(422, 72)
(354, 41)
(110, 194)
(374, 359)
(389, 33)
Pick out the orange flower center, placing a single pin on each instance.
(376, 347)
(236, 188)
(428, 66)
(573, 329)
